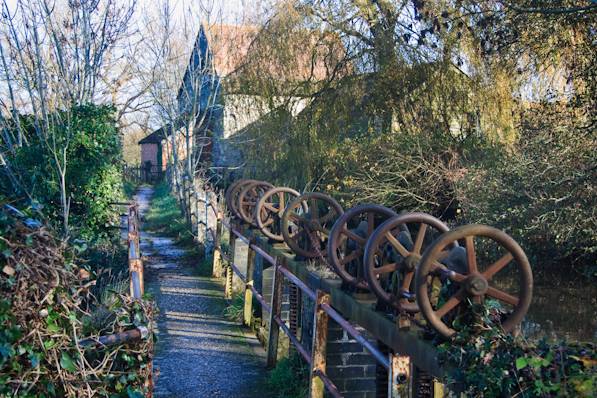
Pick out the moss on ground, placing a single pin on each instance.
(164, 217)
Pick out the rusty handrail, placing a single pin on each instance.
(328, 309)
(136, 282)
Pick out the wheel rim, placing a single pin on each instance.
(346, 247)
(306, 223)
(381, 269)
(472, 282)
(248, 198)
(233, 193)
(269, 211)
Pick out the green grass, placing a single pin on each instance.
(129, 189)
(290, 378)
(165, 217)
(235, 309)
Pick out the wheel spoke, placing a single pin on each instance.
(352, 256)
(296, 218)
(497, 266)
(471, 256)
(397, 245)
(450, 304)
(370, 223)
(502, 296)
(384, 269)
(270, 207)
(282, 203)
(442, 255)
(268, 222)
(329, 216)
(314, 210)
(351, 235)
(408, 278)
(420, 237)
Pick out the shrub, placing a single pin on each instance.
(46, 309)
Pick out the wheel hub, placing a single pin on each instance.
(476, 285)
(411, 262)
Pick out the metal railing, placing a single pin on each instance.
(137, 288)
(397, 366)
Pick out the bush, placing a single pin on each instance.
(543, 193)
(496, 364)
(93, 177)
(46, 309)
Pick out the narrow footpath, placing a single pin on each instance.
(199, 352)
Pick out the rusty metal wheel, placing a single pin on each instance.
(392, 254)
(348, 238)
(307, 221)
(470, 280)
(248, 197)
(232, 195)
(269, 211)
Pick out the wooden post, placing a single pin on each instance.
(320, 337)
(439, 390)
(399, 376)
(276, 307)
(248, 312)
(217, 260)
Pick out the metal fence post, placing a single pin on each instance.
(318, 353)
(217, 260)
(229, 272)
(248, 311)
(276, 310)
(399, 376)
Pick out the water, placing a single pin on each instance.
(563, 306)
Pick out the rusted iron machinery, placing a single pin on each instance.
(412, 262)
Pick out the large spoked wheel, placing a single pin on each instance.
(269, 211)
(307, 221)
(232, 194)
(248, 198)
(348, 238)
(476, 279)
(392, 254)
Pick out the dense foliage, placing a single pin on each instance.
(47, 308)
(472, 111)
(495, 364)
(93, 161)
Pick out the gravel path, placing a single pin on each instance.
(199, 352)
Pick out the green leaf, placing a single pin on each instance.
(66, 362)
(133, 393)
(521, 363)
(49, 344)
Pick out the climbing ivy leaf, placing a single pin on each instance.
(521, 363)
(66, 362)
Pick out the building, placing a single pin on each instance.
(213, 109)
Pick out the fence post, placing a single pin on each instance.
(276, 310)
(399, 376)
(134, 253)
(217, 261)
(318, 353)
(248, 312)
(229, 272)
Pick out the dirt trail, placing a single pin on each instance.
(199, 352)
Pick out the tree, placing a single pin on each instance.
(54, 58)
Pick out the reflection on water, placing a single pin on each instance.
(563, 307)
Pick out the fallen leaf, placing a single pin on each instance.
(8, 270)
